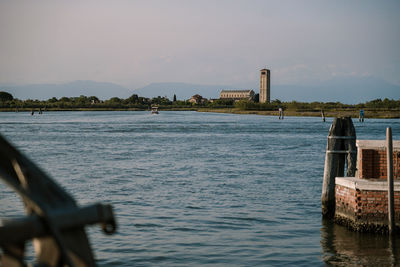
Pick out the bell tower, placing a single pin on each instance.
(265, 92)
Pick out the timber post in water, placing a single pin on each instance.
(361, 117)
(341, 148)
(389, 159)
(281, 114)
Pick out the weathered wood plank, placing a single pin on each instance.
(389, 159)
(350, 145)
(51, 205)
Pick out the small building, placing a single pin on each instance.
(361, 201)
(237, 94)
(197, 99)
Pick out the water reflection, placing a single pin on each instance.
(342, 247)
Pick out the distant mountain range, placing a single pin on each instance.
(102, 90)
(350, 90)
(182, 90)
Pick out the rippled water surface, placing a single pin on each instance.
(194, 188)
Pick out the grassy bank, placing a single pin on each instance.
(381, 114)
(94, 109)
(378, 114)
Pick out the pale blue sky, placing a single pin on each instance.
(134, 43)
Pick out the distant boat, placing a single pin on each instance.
(154, 110)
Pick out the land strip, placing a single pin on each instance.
(378, 114)
(354, 113)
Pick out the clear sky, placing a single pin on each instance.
(134, 43)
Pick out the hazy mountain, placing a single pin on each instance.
(349, 90)
(102, 90)
(183, 91)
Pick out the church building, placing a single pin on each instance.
(237, 94)
(265, 91)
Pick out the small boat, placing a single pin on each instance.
(154, 110)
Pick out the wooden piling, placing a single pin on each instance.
(361, 117)
(349, 139)
(389, 159)
(331, 169)
(341, 146)
(281, 113)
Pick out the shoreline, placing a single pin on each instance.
(369, 114)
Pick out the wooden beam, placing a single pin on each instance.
(389, 160)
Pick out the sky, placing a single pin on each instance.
(135, 43)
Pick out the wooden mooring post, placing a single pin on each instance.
(389, 160)
(341, 148)
(281, 114)
(361, 117)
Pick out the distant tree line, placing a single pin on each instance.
(138, 102)
(134, 101)
(377, 104)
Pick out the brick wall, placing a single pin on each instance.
(372, 164)
(346, 201)
(365, 205)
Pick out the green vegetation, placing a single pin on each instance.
(92, 102)
(387, 108)
(373, 109)
(4, 96)
(376, 104)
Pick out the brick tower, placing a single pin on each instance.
(265, 92)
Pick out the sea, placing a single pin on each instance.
(198, 189)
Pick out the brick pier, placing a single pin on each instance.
(361, 201)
